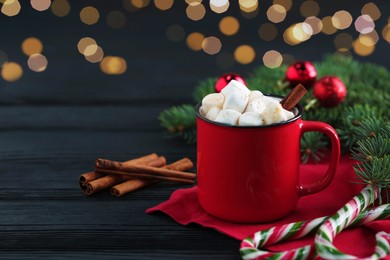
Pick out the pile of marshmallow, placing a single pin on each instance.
(237, 105)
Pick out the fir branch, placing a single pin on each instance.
(204, 88)
(311, 145)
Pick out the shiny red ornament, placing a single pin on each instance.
(330, 91)
(225, 79)
(302, 72)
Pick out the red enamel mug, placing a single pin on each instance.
(250, 174)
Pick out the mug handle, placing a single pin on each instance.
(314, 126)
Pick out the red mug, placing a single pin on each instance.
(250, 174)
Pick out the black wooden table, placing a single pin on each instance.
(53, 125)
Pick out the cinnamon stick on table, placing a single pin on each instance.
(292, 98)
(135, 184)
(90, 185)
(110, 167)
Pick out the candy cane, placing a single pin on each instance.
(343, 218)
(250, 247)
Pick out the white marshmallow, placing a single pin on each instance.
(256, 105)
(228, 116)
(274, 113)
(255, 94)
(213, 113)
(288, 114)
(236, 96)
(250, 119)
(210, 101)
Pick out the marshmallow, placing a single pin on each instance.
(256, 105)
(210, 101)
(274, 113)
(288, 114)
(255, 94)
(213, 113)
(228, 116)
(250, 119)
(236, 96)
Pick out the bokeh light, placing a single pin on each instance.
(60, 8)
(386, 33)
(372, 10)
(163, 4)
(288, 36)
(287, 4)
(343, 42)
(11, 7)
(309, 8)
(116, 19)
(276, 13)
(219, 6)
(37, 62)
(248, 6)
(364, 24)
(268, 32)
(229, 25)
(342, 19)
(84, 43)
(315, 23)
(11, 71)
(95, 55)
(327, 25)
(369, 39)
(31, 46)
(140, 3)
(40, 5)
(361, 49)
(211, 45)
(195, 11)
(175, 33)
(89, 15)
(225, 60)
(113, 65)
(272, 59)
(302, 31)
(244, 54)
(194, 41)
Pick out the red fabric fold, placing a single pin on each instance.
(183, 206)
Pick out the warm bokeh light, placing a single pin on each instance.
(11, 7)
(372, 10)
(219, 6)
(84, 43)
(11, 71)
(175, 33)
(342, 19)
(386, 33)
(361, 49)
(163, 4)
(327, 25)
(364, 24)
(60, 8)
(195, 11)
(268, 32)
(287, 4)
(309, 8)
(140, 3)
(89, 15)
(116, 19)
(211, 45)
(288, 36)
(302, 32)
(276, 13)
(248, 6)
(244, 54)
(94, 56)
(225, 60)
(113, 65)
(343, 42)
(272, 59)
(37, 62)
(31, 46)
(369, 39)
(194, 41)
(40, 5)
(229, 25)
(315, 23)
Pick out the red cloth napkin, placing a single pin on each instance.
(183, 206)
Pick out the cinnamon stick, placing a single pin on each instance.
(292, 98)
(107, 166)
(95, 181)
(135, 184)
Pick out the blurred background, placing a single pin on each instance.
(104, 52)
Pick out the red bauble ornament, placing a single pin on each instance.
(330, 91)
(302, 72)
(225, 79)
